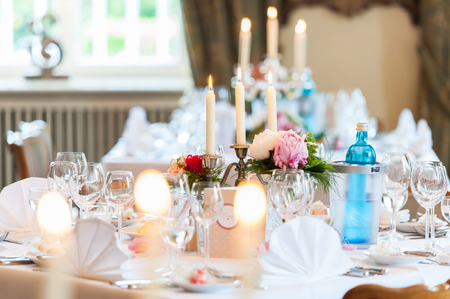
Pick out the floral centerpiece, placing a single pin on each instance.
(192, 166)
(290, 150)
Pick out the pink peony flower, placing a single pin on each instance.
(290, 150)
(175, 168)
(139, 245)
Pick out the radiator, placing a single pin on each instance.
(89, 126)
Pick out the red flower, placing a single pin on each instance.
(194, 163)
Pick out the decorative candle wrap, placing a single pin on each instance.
(227, 236)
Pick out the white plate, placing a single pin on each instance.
(395, 260)
(139, 217)
(209, 288)
(132, 231)
(408, 227)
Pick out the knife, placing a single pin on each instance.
(358, 273)
(373, 270)
(420, 253)
(139, 283)
(16, 261)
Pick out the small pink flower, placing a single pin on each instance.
(139, 245)
(264, 247)
(175, 168)
(290, 150)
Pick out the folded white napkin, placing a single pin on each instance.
(303, 250)
(423, 141)
(15, 211)
(136, 132)
(92, 251)
(406, 127)
(385, 216)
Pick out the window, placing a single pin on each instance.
(95, 34)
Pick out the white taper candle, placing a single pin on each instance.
(300, 41)
(272, 32)
(210, 120)
(245, 40)
(240, 110)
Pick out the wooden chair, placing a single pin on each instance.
(372, 291)
(32, 149)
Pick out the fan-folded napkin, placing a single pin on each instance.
(15, 211)
(92, 251)
(303, 250)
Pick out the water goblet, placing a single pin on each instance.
(35, 195)
(206, 203)
(78, 158)
(60, 176)
(90, 191)
(395, 184)
(428, 181)
(445, 208)
(119, 192)
(177, 232)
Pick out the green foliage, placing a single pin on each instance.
(194, 177)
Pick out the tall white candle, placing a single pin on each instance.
(300, 40)
(210, 120)
(272, 105)
(272, 32)
(245, 40)
(240, 110)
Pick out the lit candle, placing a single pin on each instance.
(272, 105)
(152, 193)
(210, 120)
(53, 215)
(272, 32)
(240, 110)
(300, 40)
(245, 40)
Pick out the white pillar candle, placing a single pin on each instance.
(300, 40)
(272, 105)
(210, 120)
(240, 110)
(272, 32)
(245, 40)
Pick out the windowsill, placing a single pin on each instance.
(96, 84)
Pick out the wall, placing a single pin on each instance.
(375, 51)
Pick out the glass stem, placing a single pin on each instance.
(206, 244)
(177, 258)
(171, 258)
(393, 226)
(119, 225)
(427, 228)
(432, 228)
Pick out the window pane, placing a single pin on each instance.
(23, 15)
(86, 27)
(147, 24)
(175, 20)
(148, 9)
(116, 44)
(116, 25)
(116, 9)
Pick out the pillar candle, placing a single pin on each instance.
(272, 32)
(245, 40)
(300, 40)
(210, 120)
(240, 110)
(272, 105)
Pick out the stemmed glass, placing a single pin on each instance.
(288, 192)
(60, 176)
(90, 191)
(119, 192)
(395, 184)
(428, 183)
(177, 232)
(445, 208)
(206, 203)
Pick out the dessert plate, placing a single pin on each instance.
(408, 227)
(395, 260)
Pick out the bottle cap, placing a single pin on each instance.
(362, 127)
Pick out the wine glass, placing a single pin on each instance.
(312, 186)
(60, 176)
(34, 196)
(445, 208)
(89, 189)
(395, 183)
(177, 232)
(119, 192)
(206, 203)
(432, 213)
(427, 184)
(78, 158)
(288, 192)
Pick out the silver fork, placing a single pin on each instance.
(4, 235)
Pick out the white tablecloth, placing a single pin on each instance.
(22, 282)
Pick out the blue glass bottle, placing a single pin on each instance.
(358, 209)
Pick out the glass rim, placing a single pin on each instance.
(63, 162)
(65, 153)
(93, 163)
(120, 172)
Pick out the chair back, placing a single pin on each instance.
(372, 291)
(32, 148)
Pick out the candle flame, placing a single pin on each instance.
(210, 82)
(152, 193)
(239, 74)
(250, 203)
(53, 214)
(246, 24)
(300, 27)
(270, 78)
(272, 12)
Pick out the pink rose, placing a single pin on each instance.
(290, 150)
(174, 168)
(139, 245)
(264, 247)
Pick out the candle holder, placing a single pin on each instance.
(241, 153)
(210, 162)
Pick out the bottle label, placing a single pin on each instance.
(375, 169)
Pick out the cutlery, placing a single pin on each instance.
(439, 263)
(16, 261)
(439, 233)
(4, 235)
(358, 273)
(140, 283)
(380, 271)
(420, 253)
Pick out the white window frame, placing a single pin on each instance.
(67, 14)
